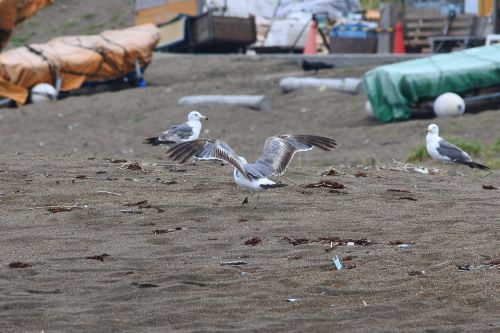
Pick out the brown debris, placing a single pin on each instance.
(18, 264)
(325, 183)
(335, 241)
(331, 172)
(133, 166)
(83, 177)
(494, 262)
(295, 241)
(100, 172)
(253, 241)
(416, 273)
(361, 174)
(350, 266)
(295, 258)
(338, 192)
(489, 187)
(59, 209)
(98, 257)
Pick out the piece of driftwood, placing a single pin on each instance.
(347, 85)
(254, 102)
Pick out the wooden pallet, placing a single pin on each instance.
(418, 29)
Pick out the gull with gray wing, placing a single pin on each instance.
(275, 158)
(184, 132)
(442, 150)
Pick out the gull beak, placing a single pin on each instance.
(427, 130)
(204, 117)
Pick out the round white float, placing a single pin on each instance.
(449, 105)
(43, 92)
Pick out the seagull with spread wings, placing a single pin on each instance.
(443, 151)
(275, 158)
(184, 132)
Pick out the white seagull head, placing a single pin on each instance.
(433, 129)
(195, 115)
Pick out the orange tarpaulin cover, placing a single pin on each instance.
(76, 59)
(15, 11)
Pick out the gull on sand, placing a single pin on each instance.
(184, 132)
(442, 150)
(275, 158)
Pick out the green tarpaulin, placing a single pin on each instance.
(391, 89)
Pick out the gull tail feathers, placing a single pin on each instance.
(473, 165)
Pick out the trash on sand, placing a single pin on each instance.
(166, 231)
(325, 183)
(350, 244)
(18, 264)
(292, 299)
(416, 273)
(404, 246)
(295, 258)
(112, 160)
(399, 242)
(331, 172)
(112, 193)
(98, 257)
(467, 267)
(337, 263)
(139, 203)
(424, 171)
(253, 241)
(232, 263)
(361, 174)
(489, 187)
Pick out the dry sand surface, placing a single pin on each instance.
(162, 270)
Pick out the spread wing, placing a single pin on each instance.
(207, 149)
(454, 153)
(176, 132)
(279, 150)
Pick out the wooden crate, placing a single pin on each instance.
(419, 28)
(211, 29)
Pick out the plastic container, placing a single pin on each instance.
(352, 30)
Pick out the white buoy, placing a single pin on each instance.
(43, 92)
(369, 109)
(449, 105)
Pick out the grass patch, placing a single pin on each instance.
(21, 39)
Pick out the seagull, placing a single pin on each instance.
(275, 158)
(187, 131)
(442, 150)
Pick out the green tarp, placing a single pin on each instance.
(391, 89)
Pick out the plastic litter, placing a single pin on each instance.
(337, 263)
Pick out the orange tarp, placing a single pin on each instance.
(76, 59)
(15, 11)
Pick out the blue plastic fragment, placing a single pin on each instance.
(337, 263)
(404, 246)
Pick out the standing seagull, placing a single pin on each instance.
(443, 151)
(187, 131)
(276, 155)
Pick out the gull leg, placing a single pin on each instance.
(257, 203)
(245, 201)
